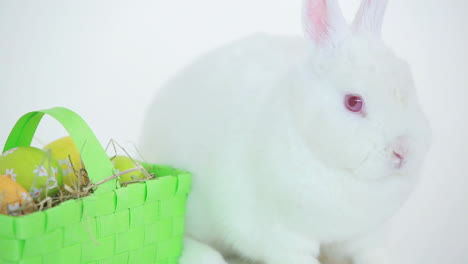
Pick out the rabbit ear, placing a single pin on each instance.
(370, 16)
(324, 22)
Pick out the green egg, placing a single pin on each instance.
(34, 169)
(123, 163)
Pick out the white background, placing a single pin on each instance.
(105, 59)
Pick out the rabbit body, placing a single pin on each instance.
(228, 118)
(280, 167)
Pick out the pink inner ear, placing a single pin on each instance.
(318, 20)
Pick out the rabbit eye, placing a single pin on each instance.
(354, 103)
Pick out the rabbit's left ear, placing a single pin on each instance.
(370, 16)
(324, 23)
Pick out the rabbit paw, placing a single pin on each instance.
(371, 259)
(278, 246)
(306, 253)
(294, 259)
(196, 253)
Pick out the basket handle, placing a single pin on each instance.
(98, 165)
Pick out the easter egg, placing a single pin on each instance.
(34, 169)
(14, 199)
(123, 163)
(66, 153)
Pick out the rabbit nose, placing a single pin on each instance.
(398, 160)
(400, 152)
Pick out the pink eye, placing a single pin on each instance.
(354, 103)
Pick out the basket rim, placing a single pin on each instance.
(175, 174)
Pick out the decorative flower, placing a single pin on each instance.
(54, 171)
(10, 173)
(13, 209)
(6, 153)
(51, 183)
(66, 166)
(25, 197)
(35, 193)
(41, 171)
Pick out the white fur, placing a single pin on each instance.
(280, 167)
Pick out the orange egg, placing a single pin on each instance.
(14, 199)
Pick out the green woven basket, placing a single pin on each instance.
(140, 223)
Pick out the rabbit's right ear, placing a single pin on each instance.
(324, 23)
(370, 16)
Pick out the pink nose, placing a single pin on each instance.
(400, 151)
(399, 160)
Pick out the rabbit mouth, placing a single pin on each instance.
(395, 160)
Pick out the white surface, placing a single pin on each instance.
(105, 59)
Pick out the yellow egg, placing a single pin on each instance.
(123, 163)
(32, 168)
(14, 199)
(66, 153)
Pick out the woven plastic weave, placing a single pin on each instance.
(140, 223)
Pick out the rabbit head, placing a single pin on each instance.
(354, 100)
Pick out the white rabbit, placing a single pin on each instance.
(298, 147)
